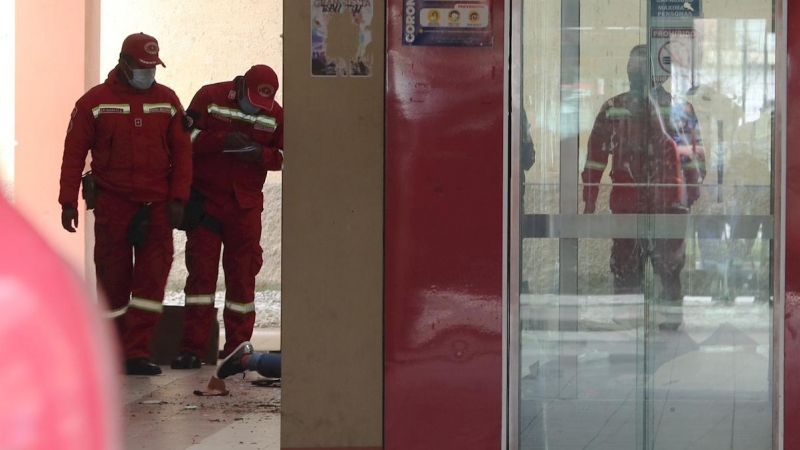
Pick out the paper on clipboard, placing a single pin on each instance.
(249, 148)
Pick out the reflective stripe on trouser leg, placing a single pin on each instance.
(198, 316)
(118, 317)
(192, 300)
(203, 248)
(153, 261)
(116, 313)
(240, 318)
(146, 305)
(241, 308)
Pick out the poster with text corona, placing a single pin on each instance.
(448, 23)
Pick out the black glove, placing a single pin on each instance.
(139, 226)
(235, 140)
(254, 155)
(69, 218)
(175, 213)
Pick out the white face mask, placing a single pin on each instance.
(142, 78)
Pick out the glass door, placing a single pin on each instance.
(643, 168)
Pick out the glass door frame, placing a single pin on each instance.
(512, 219)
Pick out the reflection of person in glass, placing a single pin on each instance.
(527, 158)
(657, 165)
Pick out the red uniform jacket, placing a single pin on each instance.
(139, 147)
(642, 136)
(215, 110)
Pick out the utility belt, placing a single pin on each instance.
(138, 226)
(195, 214)
(89, 190)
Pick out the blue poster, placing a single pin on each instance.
(676, 8)
(461, 23)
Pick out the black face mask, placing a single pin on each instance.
(247, 107)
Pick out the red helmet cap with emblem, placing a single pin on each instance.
(261, 84)
(143, 49)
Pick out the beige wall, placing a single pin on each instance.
(201, 42)
(333, 253)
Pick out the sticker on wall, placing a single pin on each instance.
(341, 34)
(447, 23)
(676, 8)
(671, 50)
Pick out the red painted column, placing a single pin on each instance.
(792, 242)
(443, 242)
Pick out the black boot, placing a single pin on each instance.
(141, 366)
(232, 364)
(186, 360)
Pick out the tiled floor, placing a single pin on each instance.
(162, 412)
(601, 381)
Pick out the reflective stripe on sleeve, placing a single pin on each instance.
(617, 113)
(269, 122)
(200, 299)
(595, 165)
(146, 305)
(692, 164)
(241, 308)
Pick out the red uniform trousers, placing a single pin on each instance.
(628, 259)
(630, 256)
(241, 262)
(134, 290)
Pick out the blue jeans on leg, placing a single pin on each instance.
(266, 364)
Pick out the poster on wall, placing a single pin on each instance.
(672, 41)
(448, 23)
(675, 8)
(671, 50)
(341, 34)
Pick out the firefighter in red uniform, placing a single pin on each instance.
(237, 137)
(142, 171)
(657, 166)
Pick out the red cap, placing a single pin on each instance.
(261, 83)
(143, 49)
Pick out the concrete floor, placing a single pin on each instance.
(162, 412)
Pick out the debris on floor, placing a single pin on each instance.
(216, 388)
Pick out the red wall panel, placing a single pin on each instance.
(444, 242)
(792, 268)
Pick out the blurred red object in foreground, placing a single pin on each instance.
(58, 386)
